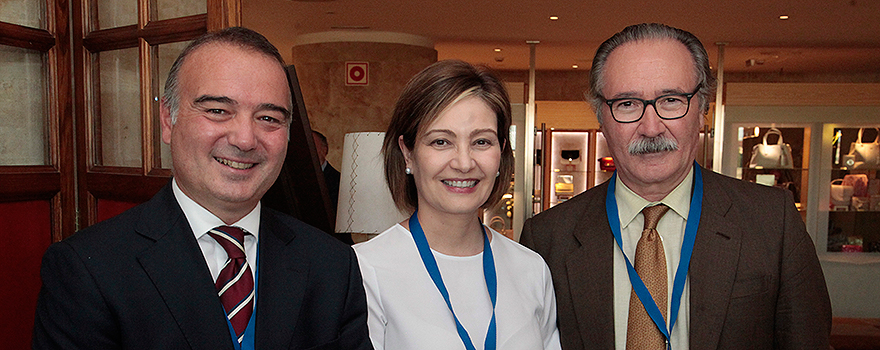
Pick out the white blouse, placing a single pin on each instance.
(406, 311)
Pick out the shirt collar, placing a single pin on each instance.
(201, 220)
(630, 204)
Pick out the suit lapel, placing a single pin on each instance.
(713, 265)
(590, 276)
(178, 271)
(283, 277)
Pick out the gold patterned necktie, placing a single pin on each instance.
(650, 263)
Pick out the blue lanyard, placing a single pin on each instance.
(488, 273)
(687, 249)
(247, 342)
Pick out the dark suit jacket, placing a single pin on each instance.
(755, 280)
(140, 281)
(331, 177)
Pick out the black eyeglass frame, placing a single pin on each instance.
(646, 103)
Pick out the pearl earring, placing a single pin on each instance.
(497, 173)
(408, 171)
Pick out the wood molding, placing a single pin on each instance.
(124, 187)
(148, 71)
(25, 37)
(801, 94)
(62, 125)
(23, 186)
(223, 14)
(155, 32)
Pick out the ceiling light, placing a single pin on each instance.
(783, 17)
(574, 66)
(553, 18)
(497, 49)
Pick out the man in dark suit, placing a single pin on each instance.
(146, 278)
(622, 280)
(331, 175)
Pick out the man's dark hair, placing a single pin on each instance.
(239, 36)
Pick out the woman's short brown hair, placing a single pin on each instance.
(428, 94)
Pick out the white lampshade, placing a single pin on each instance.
(365, 204)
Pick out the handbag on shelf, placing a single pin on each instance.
(841, 195)
(859, 183)
(866, 155)
(777, 156)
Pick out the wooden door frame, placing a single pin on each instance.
(55, 181)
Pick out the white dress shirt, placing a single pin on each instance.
(201, 221)
(671, 229)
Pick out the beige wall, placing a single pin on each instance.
(335, 109)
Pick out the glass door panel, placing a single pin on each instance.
(28, 13)
(167, 53)
(167, 9)
(118, 128)
(116, 13)
(23, 86)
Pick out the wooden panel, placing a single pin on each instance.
(574, 115)
(25, 37)
(28, 183)
(223, 13)
(801, 94)
(156, 32)
(27, 234)
(61, 121)
(124, 187)
(109, 208)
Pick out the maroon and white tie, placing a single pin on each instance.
(235, 284)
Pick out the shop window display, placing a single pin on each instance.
(854, 199)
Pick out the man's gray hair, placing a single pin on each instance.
(652, 31)
(239, 36)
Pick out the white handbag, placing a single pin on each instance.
(841, 194)
(772, 155)
(866, 155)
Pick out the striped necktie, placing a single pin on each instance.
(650, 263)
(235, 284)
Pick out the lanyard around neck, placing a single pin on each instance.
(687, 249)
(488, 273)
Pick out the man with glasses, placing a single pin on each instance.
(666, 254)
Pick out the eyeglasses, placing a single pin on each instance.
(668, 107)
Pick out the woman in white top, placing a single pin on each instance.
(441, 279)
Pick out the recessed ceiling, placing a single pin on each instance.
(820, 36)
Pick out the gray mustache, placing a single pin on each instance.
(649, 145)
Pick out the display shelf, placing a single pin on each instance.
(851, 276)
(793, 175)
(854, 211)
(792, 179)
(569, 164)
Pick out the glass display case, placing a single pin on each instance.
(568, 158)
(854, 189)
(576, 161)
(824, 109)
(776, 156)
(570, 162)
